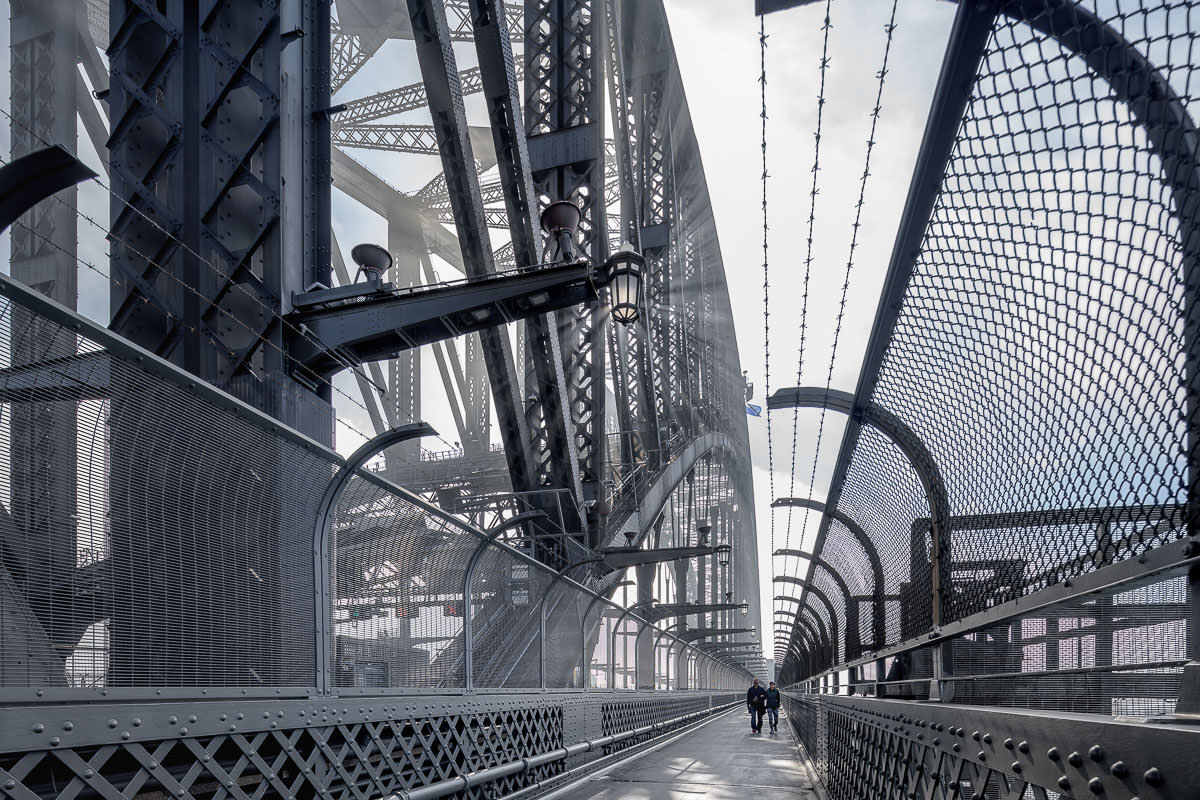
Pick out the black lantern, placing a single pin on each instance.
(723, 552)
(745, 608)
(624, 268)
(703, 531)
(371, 259)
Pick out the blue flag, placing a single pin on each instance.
(753, 410)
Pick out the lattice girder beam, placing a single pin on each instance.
(564, 124)
(440, 74)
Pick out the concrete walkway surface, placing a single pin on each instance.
(720, 760)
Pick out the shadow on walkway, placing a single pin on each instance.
(719, 760)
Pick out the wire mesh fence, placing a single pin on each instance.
(159, 534)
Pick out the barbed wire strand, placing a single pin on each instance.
(762, 81)
(826, 26)
(890, 29)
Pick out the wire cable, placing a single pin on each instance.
(875, 113)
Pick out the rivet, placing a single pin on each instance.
(68, 726)
(1075, 760)
(1023, 747)
(956, 747)
(1052, 754)
(1016, 767)
(1096, 753)
(1008, 744)
(183, 731)
(55, 741)
(153, 765)
(1153, 777)
(87, 773)
(954, 785)
(936, 741)
(987, 738)
(223, 717)
(38, 727)
(1063, 783)
(975, 735)
(10, 784)
(112, 723)
(982, 756)
(241, 716)
(137, 722)
(1096, 785)
(1119, 770)
(172, 720)
(192, 718)
(125, 735)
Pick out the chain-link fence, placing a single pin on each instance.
(1038, 336)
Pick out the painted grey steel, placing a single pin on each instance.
(322, 536)
(343, 335)
(872, 553)
(468, 593)
(32, 178)
(920, 745)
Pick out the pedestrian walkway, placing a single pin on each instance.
(719, 760)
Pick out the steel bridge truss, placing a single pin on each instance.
(159, 559)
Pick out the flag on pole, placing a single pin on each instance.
(753, 410)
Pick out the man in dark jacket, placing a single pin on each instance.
(773, 706)
(756, 702)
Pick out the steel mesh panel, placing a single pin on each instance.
(1119, 654)
(505, 620)
(845, 555)
(883, 494)
(398, 584)
(1039, 350)
(187, 560)
(821, 580)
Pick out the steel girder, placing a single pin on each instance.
(564, 124)
(204, 183)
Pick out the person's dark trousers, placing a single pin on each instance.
(756, 716)
(773, 718)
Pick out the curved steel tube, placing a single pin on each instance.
(322, 533)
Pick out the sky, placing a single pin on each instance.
(719, 57)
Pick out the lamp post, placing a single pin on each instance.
(624, 270)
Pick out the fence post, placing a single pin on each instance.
(323, 535)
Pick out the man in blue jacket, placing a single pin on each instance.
(756, 702)
(773, 706)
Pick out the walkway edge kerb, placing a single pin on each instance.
(472, 779)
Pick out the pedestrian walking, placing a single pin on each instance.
(773, 706)
(756, 703)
